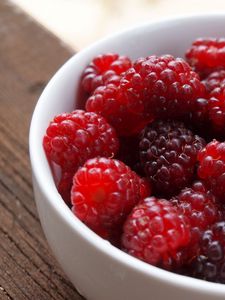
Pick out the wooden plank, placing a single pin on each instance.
(29, 56)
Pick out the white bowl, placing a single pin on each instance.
(97, 269)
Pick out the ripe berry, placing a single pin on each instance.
(104, 68)
(217, 110)
(104, 192)
(210, 263)
(207, 55)
(156, 232)
(154, 87)
(214, 80)
(168, 153)
(199, 206)
(212, 167)
(121, 112)
(72, 138)
(163, 86)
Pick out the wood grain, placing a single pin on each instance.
(29, 56)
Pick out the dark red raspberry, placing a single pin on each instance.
(154, 87)
(212, 167)
(104, 192)
(210, 263)
(199, 205)
(156, 232)
(168, 153)
(104, 68)
(214, 80)
(207, 55)
(72, 138)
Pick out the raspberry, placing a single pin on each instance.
(155, 232)
(217, 110)
(212, 167)
(154, 87)
(104, 192)
(210, 263)
(72, 138)
(168, 153)
(207, 55)
(214, 80)
(110, 102)
(163, 86)
(104, 68)
(199, 206)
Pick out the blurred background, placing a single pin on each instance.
(81, 22)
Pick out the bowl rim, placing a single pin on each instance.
(66, 215)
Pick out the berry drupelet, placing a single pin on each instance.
(168, 153)
(104, 192)
(156, 232)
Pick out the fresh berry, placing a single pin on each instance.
(163, 86)
(154, 87)
(121, 112)
(65, 185)
(217, 110)
(212, 167)
(168, 153)
(207, 55)
(210, 263)
(199, 206)
(214, 80)
(104, 192)
(156, 232)
(104, 68)
(72, 138)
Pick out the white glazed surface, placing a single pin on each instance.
(97, 269)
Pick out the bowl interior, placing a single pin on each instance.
(171, 36)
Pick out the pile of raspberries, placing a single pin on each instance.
(143, 165)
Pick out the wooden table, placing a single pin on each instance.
(29, 56)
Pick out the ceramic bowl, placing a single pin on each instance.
(97, 269)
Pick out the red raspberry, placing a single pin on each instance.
(119, 111)
(212, 167)
(104, 68)
(163, 86)
(214, 80)
(210, 263)
(207, 55)
(168, 153)
(154, 87)
(199, 206)
(104, 192)
(217, 110)
(72, 138)
(156, 232)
